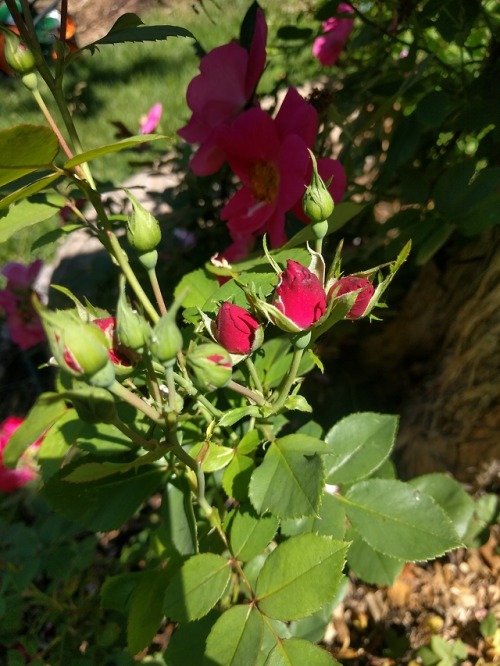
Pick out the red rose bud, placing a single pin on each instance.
(211, 365)
(300, 295)
(236, 329)
(117, 353)
(348, 284)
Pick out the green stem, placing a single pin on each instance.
(286, 385)
(153, 278)
(133, 436)
(134, 400)
(194, 393)
(48, 117)
(248, 393)
(253, 374)
(172, 390)
(319, 246)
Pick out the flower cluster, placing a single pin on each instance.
(269, 155)
(12, 479)
(24, 325)
(299, 303)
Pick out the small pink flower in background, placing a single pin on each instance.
(235, 328)
(12, 479)
(272, 161)
(300, 295)
(225, 86)
(347, 284)
(24, 325)
(151, 120)
(329, 46)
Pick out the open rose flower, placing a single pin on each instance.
(225, 86)
(328, 47)
(270, 156)
(348, 284)
(12, 479)
(23, 322)
(236, 329)
(300, 295)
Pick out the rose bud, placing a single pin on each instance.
(117, 353)
(17, 55)
(348, 284)
(166, 338)
(143, 233)
(300, 295)
(317, 202)
(132, 329)
(211, 365)
(237, 330)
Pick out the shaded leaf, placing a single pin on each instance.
(249, 533)
(24, 149)
(235, 638)
(298, 652)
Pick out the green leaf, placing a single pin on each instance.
(450, 496)
(290, 479)
(452, 187)
(146, 609)
(368, 564)
(235, 638)
(298, 652)
(359, 444)
(398, 520)
(187, 645)
(300, 576)
(57, 442)
(27, 213)
(180, 531)
(106, 504)
(116, 591)
(27, 190)
(212, 456)
(313, 627)
(249, 533)
(119, 34)
(234, 415)
(24, 149)
(330, 520)
(343, 213)
(236, 478)
(129, 142)
(48, 408)
(196, 587)
(440, 233)
(200, 286)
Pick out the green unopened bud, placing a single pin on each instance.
(17, 55)
(132, 329)
(317, 202)
(143, 230)
(166, 339)
(211, 365)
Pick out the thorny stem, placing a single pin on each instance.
(132, 435)
(172, 391)
(194, 393)
(48, 117)
(153, 278)
(152, 382)
(284, 389)
(248, 393)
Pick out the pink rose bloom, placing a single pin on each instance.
(347, 284)
(328, 47)
(272, 161)
(225, 86)
(12, 479)
(300, 295)
(235, 329)
(24, 325)
(152, 119)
